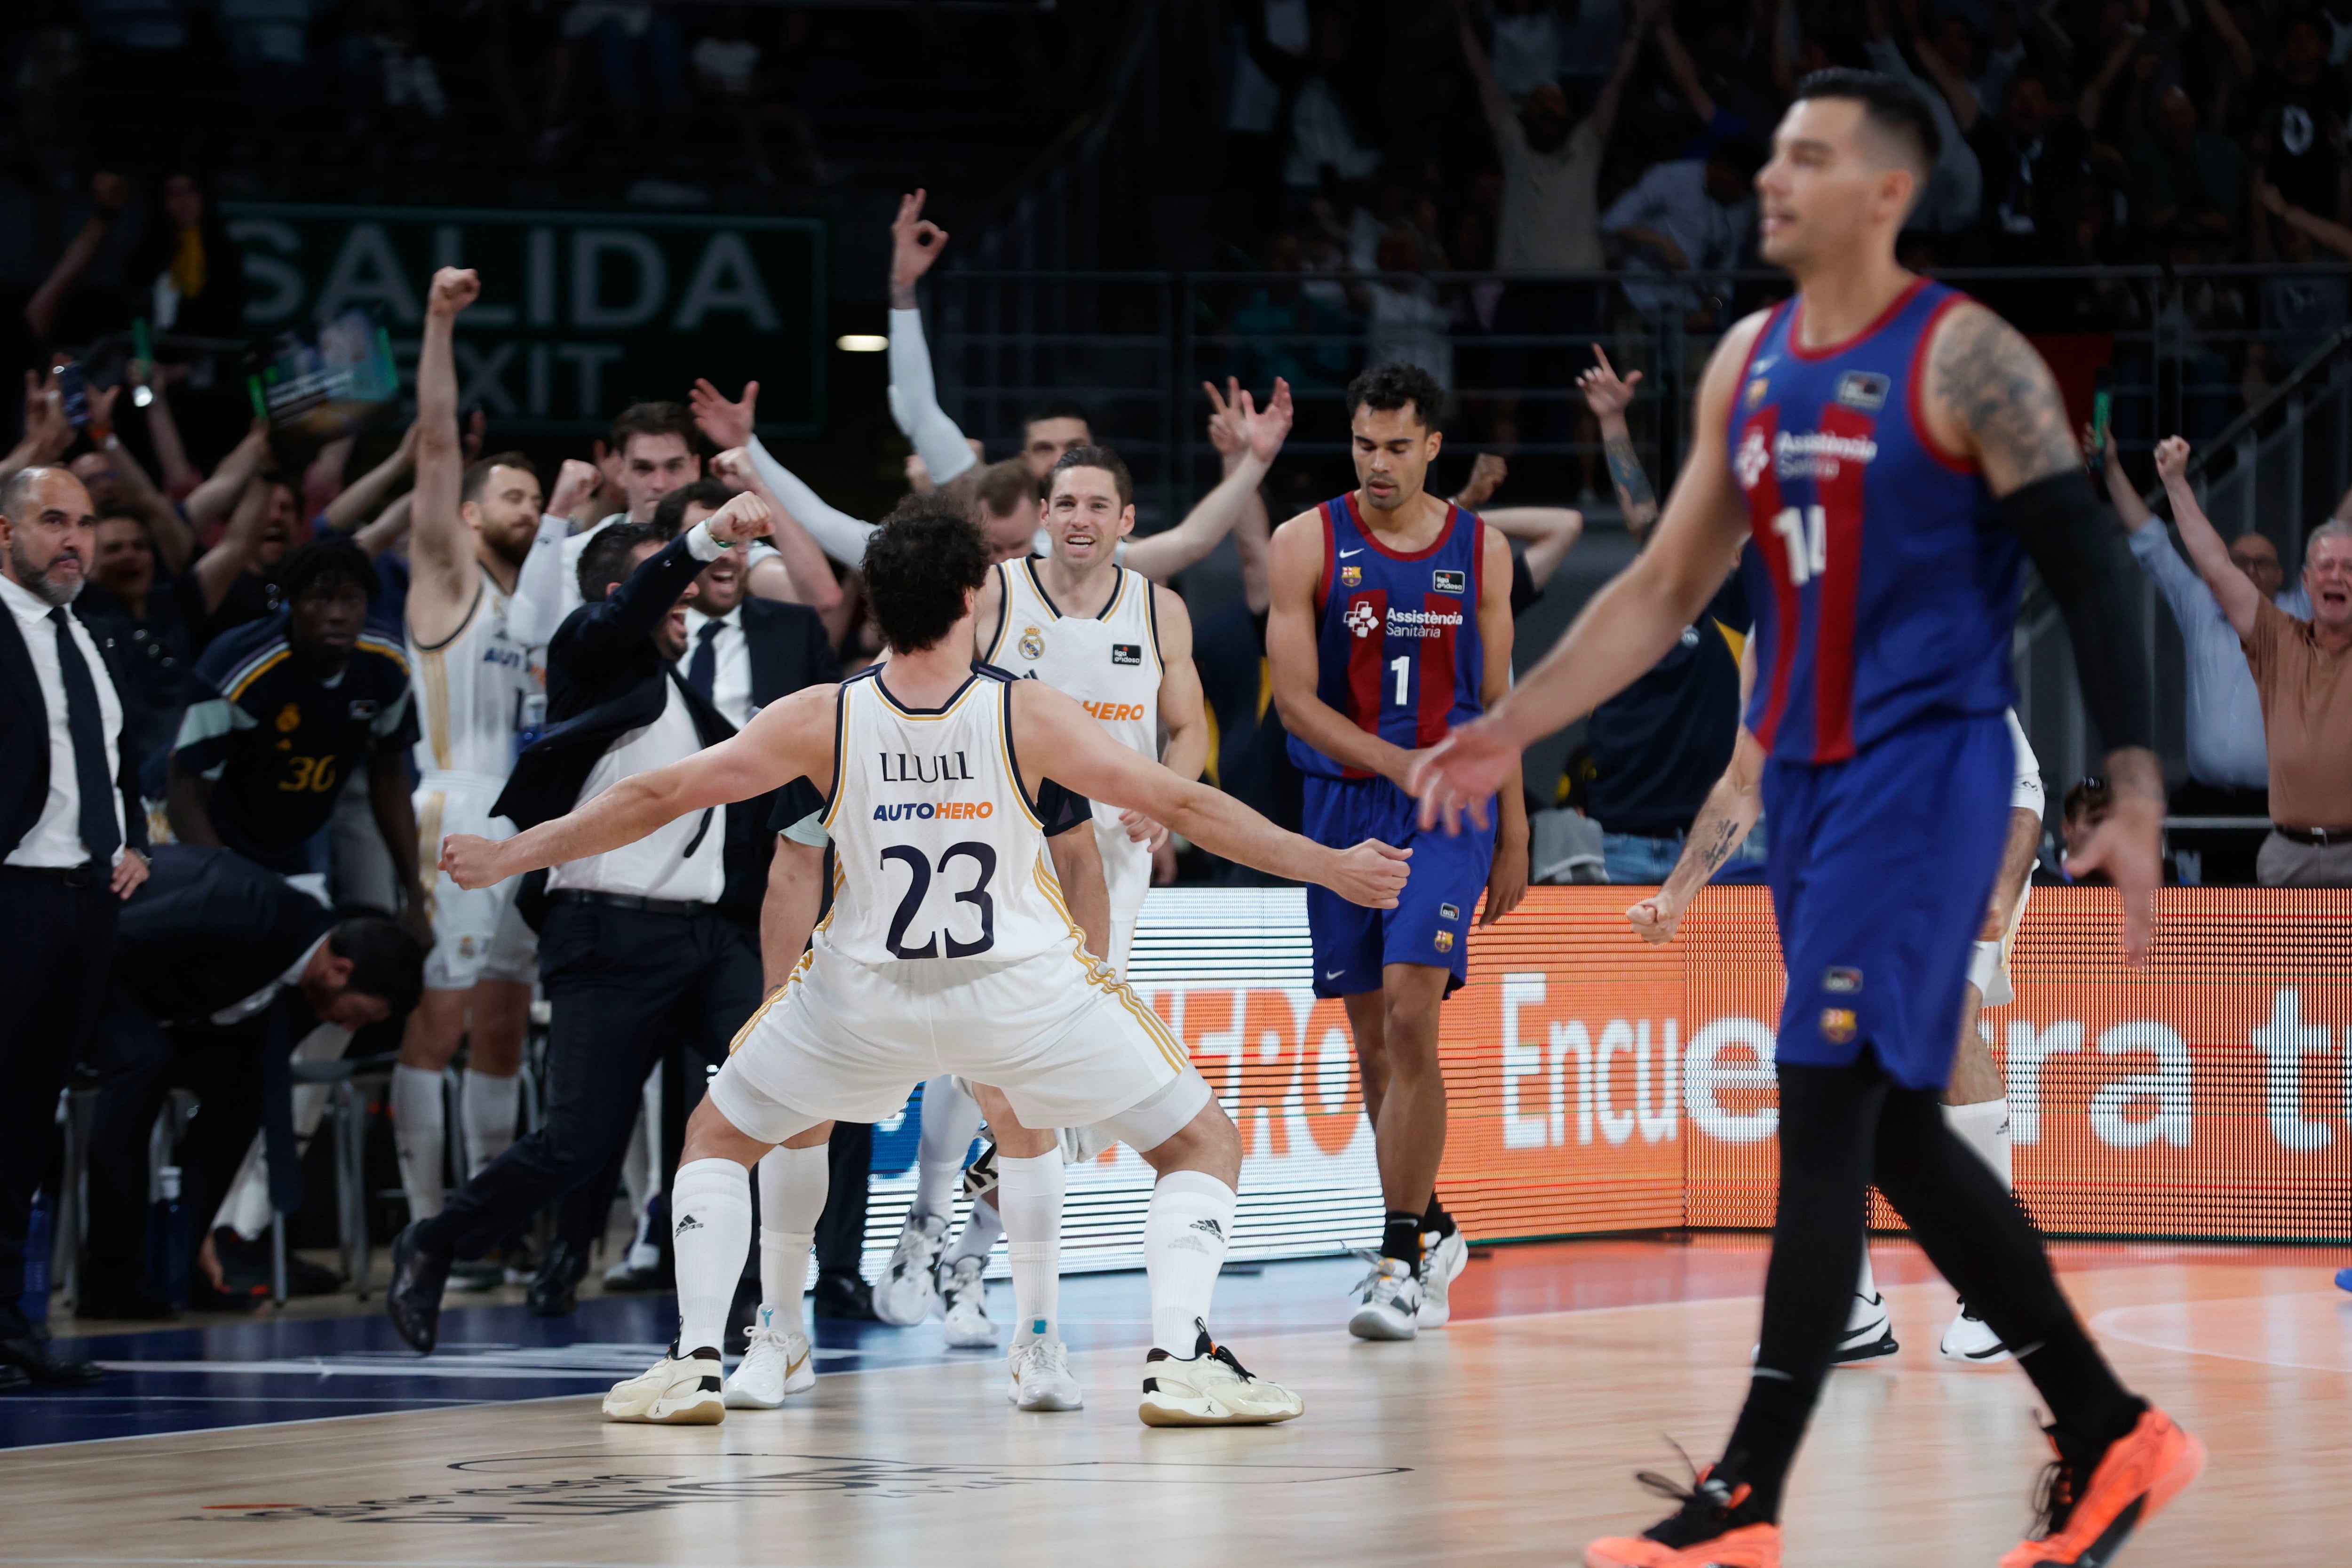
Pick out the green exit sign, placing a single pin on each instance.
(581, 313)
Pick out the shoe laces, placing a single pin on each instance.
(2059, 1487)
(1045, 1356)
(782, 1339)
(914, 1241)
(1707, 1504)
(1381, 1284)
(962, 1276)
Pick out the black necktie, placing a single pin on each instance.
(702, 669)
(101, 834)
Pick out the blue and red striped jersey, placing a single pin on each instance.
(1885, 590)
(1398, 648)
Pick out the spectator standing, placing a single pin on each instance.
(288, 710)
(72, 837)
(2302, 670)
(634, 951)
(2189, 186)
(2302, 102)
(1685, 215)
(1551, 218)
(2228, 763)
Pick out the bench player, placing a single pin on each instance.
(1390, 623)
(472, 530)
(949, 948)
(1889, 444)
(1976, 1102)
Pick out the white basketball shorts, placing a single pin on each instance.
(477, 933)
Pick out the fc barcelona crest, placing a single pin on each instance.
(1445, 942)
(1351, 576)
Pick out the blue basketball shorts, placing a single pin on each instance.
(1431, 924)
(1881, 869)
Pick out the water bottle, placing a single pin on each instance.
(167, 1240)
(35, 1302)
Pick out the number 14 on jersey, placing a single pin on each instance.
(1806, 535)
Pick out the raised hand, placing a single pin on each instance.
(576, 483)
(453, 288)
(745, 517)
(1266, 429)
(1606, 393)
(733, 467)
(1372, 874)
(916, 243)
(1224, 417)
(48, 431)
(2171, 458)
(726, 424)
(1487, 477)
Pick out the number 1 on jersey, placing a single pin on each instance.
(1807, 536)
(1402, 665)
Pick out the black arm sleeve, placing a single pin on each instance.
(1062, 809)
(2075, 546)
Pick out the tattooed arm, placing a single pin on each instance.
(1991, 401)
(1608, 395)
(1723, 823)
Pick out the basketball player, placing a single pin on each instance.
(1392, 622)
(471, 531)
(1976, 1104)
(949, 948)
(1889, 444)
(1122, 645)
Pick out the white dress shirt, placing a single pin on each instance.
(55, 839)
(238, 1012)
(657, 866)
(730, 680)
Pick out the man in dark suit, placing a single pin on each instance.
(220, 967)
(72, 837)
(741, 654)
(632, 949)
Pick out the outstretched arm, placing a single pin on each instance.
(2239, 599)
(1625, 628)
(1045, 723)
(1730, 810)
(440, 553)
(1164, 554)
(797, 557)
(1481, 69)
(364, 497)
(837, 532)
(784, 741)
(219, 493)
(1549, 531)
(916, 243)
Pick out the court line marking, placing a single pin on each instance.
(2104, 1324)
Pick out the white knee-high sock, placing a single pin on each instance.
(981, 1226)
(951, 1118)
(1865, 1288)
(488, 1114)
(418, 1132)
(793, 1186)
(1029, 1197)
(1185, 1232)
(711, 1227)
(1984, 1127)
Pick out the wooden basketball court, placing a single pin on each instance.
(1511, 1437)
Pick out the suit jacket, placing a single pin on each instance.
(25, 743)
(208, 929)
(789, 650)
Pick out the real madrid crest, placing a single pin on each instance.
(1032, 644)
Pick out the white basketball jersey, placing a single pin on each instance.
(939, 853)
(471, 691)
(1110, 663)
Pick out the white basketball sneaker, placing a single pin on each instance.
(1869, 1332)
(1442, 1259)
(675, 1392)
(1041, 1377)
(776, 1362)
(1210, 1388)
(908, 1293)
(966, 1301)
(1391, 1309)
(1972, 1338)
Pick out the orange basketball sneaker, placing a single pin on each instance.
(1715, 1528)
(2091, 1503)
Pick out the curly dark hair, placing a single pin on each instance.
(329, 560)
(919, 564)
(1393, 386)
